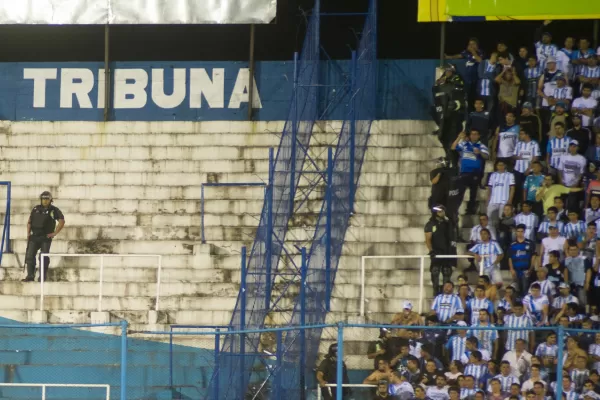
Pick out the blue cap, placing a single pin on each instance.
(561, 104)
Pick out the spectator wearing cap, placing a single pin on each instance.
(585, 105)
(407, 316)
(531, 122)
(544, 48)
(440, 240)
(572, 167)
(564, 297)
(579, 133)
(480, 120)
(562, 92)
(529, 219)
(508, 90)
(521, 257)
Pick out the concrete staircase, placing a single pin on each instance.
(134, 188)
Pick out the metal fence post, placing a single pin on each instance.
(329, 200)
(560, 339)
(294, 135)
(171, 358)
(217, 356)
(279, 364)
(101, 283)
(269, 230)
(202, 213)
(339, 390)
(353, 94)
(242, 388)
(123, 360)
(302, 366)
(421, 284)
(8, 206)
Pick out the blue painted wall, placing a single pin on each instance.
(403, 85)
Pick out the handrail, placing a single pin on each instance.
(332, 385)
(5, 243)
(45, 385)
(101, 280)
(421, 276)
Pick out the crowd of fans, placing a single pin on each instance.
(535, 114)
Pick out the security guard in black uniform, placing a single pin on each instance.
(449, 111)
(327, 374)
(440, 240)
(41, 229)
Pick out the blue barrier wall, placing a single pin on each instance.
(197, 91)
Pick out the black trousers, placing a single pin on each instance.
(443, 265)
(471, 181)
(35, 243)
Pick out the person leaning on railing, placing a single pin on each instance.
(327, 374)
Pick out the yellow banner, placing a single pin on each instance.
(435, 11)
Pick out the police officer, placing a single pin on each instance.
(450, 101)
(327, 374)
(440, 240)
(440, 178)
(41, 229)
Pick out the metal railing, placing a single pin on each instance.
(101, 278)
(5, 245)
(61, 385)
(422, 259)
(350, 385)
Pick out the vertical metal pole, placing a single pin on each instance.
(339, 390)
(43, 392)
(217, 356)
(353, 93)
(106, 72)
(278, 365)
(269, 231)
(123, 360)
(442, 42)
(595, 33)
(158, 281)
(8, 196)
(328, 222)
(251, 74)
(202, 213)
(560, 339)
(303, 366)
(422, 284)
(101, 283)
(294, 136)
(242, 389)
(362, 286)
(42, 265)
(171, 358)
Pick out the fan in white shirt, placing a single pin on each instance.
(572, 166)
(519, 358)
(585, 105)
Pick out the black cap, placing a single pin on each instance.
(521, 226)
(46, 194)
